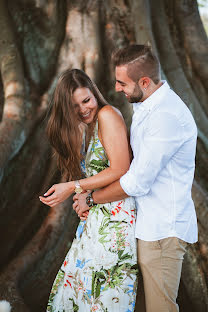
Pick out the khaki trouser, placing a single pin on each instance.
(161, 263)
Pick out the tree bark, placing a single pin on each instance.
(194, 37)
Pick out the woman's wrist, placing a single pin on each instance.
(77, 187)
(71, 186)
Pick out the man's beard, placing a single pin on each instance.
(137, 95)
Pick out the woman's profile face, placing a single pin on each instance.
(85, 104)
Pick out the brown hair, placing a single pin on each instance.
(140, 60)
(63, 128)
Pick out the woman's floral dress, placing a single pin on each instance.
(99, 272)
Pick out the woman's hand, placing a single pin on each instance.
(57, 193)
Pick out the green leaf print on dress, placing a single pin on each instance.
(99, 272)
(97, 165)
(75, 306)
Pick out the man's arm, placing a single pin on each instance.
(107, 194)
(163, 137)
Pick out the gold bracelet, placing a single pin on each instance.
(78, 189)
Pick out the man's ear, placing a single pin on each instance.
(144, 82)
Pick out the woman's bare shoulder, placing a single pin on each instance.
(109, 112)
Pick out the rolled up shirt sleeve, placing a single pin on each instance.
(162, 137)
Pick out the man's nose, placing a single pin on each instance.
(118, 87)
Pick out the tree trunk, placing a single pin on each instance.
(41, 38)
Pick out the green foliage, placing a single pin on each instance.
(202, 3)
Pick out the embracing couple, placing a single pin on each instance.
(132, 210)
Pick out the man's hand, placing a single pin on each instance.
(84, 215)
(80, 205)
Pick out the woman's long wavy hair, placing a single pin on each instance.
(64, 127)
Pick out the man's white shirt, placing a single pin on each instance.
(163, 140)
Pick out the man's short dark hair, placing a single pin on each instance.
(140, 61)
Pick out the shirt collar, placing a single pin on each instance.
(154, 98)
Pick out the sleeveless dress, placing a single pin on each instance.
(100, 271)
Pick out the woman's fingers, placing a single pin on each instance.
(51, 204)
(47, 200)
(50, 191)
(49, 196)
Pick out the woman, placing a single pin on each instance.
(100, 270)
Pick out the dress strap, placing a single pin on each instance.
(96, 128)
(83, 150)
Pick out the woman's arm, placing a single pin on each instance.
(113, 136)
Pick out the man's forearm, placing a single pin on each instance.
(109, 193)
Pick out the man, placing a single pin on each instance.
(163, 140)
